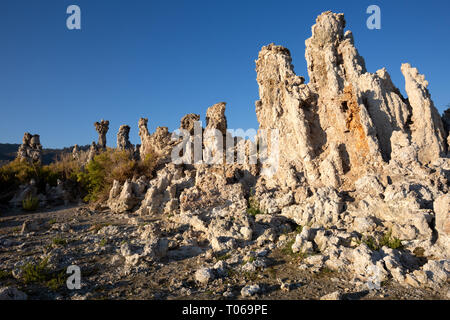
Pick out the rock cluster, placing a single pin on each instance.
(357, 161)
(30, 149)
(56, 195)
(346, 122)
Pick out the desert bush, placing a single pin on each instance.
(92, 181)
(30, 203)
(253, 207)
(386, 240)
(389, 241)
(16, 173)
(65, 167)
(19, 172)
(40, 273)
(35, 272)
(99, 174)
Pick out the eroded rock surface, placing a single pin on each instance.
(102, 128)
(30, 149)
(123, 139)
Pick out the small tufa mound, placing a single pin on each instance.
(30, 149)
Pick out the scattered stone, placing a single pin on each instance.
(102, 128)
(11, 293)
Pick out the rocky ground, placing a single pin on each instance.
(111, 251)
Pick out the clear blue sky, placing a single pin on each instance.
(163, 59)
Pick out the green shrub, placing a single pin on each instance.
(35, 273)
(93, 180)
(30, 203)
(391, 242)
(40, 274)
(100, 173)
(19, 172)
(253, 206)
(5, 275)
(57, 282)
(16, 173)
(59, 242)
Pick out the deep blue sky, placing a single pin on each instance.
(163, 59)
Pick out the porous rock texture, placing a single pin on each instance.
(93, 151)
(102, 128)
(158, 144)
(123, 139)
(31, 149)
(362, 169)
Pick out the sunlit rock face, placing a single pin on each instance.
(102, 128)
(346, 122)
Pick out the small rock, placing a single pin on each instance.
(29, 226)
(250, 290)
(204, 275)
(332, 296)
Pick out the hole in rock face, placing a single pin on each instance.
(343, 154)
(344, 106)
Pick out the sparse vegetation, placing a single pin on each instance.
(391, 242)
(35, 273)
(39, 273)
(57, 282)
(100, 173)
(59, 242)
(287, 249)
(386, 240)
(223, 257)
(93, 180)
(253, 206)
(4, 274)
(97, 227)
(19, 172)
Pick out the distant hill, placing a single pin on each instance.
(8, 153)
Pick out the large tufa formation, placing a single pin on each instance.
(123, 139)
(346, 121)
(30, 149)
(358, 163)
(102, 128)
